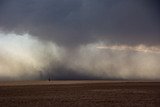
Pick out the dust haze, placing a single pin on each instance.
(37, 59)
(79, 39)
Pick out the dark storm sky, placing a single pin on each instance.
(79, 39)
(74, 22)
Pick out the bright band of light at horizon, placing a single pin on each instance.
(139, 48)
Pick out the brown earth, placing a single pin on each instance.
(80, 94)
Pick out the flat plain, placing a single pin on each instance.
(80, 94)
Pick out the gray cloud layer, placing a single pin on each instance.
(79, 39)
(73, 22)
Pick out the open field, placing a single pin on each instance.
(79, 94)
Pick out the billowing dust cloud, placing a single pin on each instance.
(25, 57)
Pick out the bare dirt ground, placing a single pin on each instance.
(79, 94)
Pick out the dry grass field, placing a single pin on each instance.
(79, 94)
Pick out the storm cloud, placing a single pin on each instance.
(79, 39)
(74, 22)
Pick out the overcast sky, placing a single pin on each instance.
(73, 22)
(61, 33)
